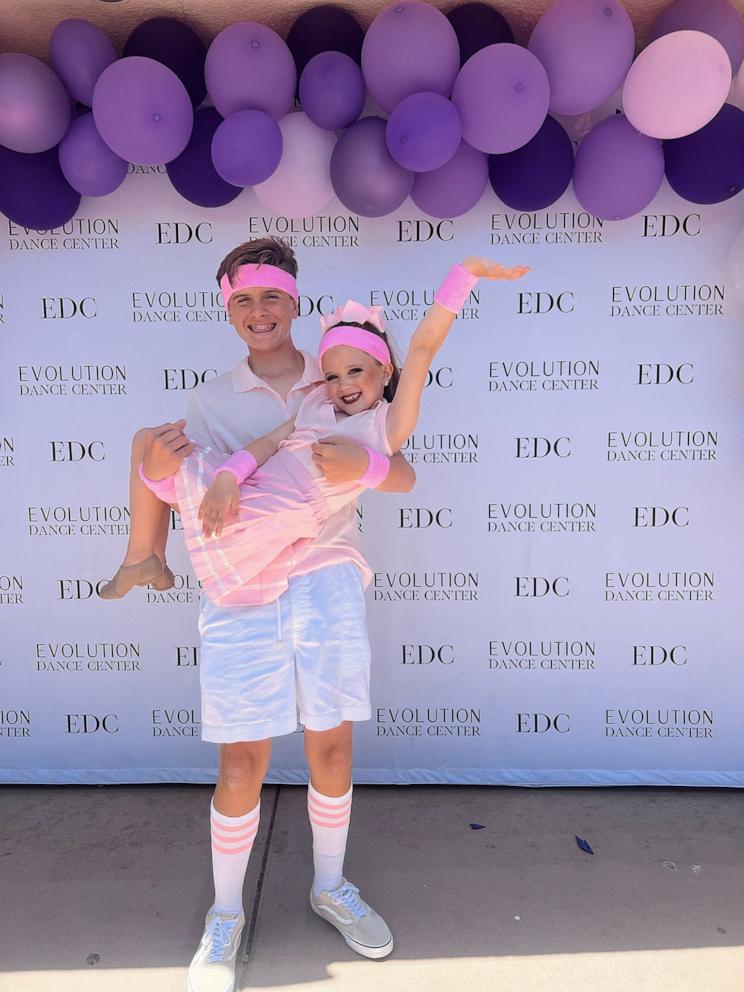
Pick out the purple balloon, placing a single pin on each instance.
(424, 132)
(718, 18)
(536, 175)
(410, 47)
(325, 28)
(365, 177)
(455, 188)
(502, 94)
(332, 90)
(34, 105)
(708, 166)
(247, 147)
(33, 191)
(175, 44)
(249, 67)
(142, 111)
(79, 52)
(586, 47)
(87, 162)
(477, 26)
(618, 170)
(193, 173)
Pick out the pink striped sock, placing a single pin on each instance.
(232, 840)
(329, 820)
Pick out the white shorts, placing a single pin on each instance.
(304, 656)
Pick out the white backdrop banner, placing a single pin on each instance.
(557, 602)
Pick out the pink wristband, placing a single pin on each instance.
(164, 489)
(242, 464)
(455, 289)
(377, 470)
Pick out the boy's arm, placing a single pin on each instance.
(342, 460)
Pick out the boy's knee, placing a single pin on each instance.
(242, 766)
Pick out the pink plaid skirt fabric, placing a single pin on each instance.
(281, 510)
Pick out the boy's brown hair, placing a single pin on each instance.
(262, 251)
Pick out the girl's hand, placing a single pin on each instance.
(486, 268)
(220, 504)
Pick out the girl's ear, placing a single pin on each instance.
(387, 372)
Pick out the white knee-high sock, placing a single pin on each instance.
(232, 840)
(329, 820)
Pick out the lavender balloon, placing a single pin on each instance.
(708, 166)
(409, 48)
(193, 173)
(536, 175)
(142, 111)
(477, 25)
(718, 18)
(175, 44)
(366, 179)
(87, 162)
(424, 132)
(33, 191)
(455, 188)
(249, 67)
(301, 185)
(332, 90)
(617, 171)
(79, 52)
(34, 105)
(247, 147)
(586, 47)
(502, 94)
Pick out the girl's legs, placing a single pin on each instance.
(148, 526)
(144, 560)
(329, 755)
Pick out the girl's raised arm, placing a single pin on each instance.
(429, 336)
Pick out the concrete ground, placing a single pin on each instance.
(104, 890)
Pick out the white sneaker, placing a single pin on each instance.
(212, 968)
(362, 928)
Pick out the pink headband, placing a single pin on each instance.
(352, 312)
(355, 337)
(248, 276)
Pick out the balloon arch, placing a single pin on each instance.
(451, 102)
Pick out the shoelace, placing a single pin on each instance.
(220, 931)
(348, 896)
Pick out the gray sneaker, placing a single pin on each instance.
(212, 968)
(362, 928)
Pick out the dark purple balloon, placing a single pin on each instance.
(175, 44)
(536, 175)
(455, 188)
(424, 132)
(477, 25)
(365, 177)
(33, 191)
(247, 147)
(326, 28)
(79, 52)
(87, 162)
(708, 166)
(332, 90)
(193, 173)
(618, 170)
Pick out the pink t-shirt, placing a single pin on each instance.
(227, 412)
(317, 418)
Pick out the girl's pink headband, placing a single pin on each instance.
(355, 337)
(250, 275)
(337, 330)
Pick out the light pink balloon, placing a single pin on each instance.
(301, 185)
(677, 85)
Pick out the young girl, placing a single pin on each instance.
(246, 520)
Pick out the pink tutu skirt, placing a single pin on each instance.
(281, 510)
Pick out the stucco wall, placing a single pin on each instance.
(26, 26)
